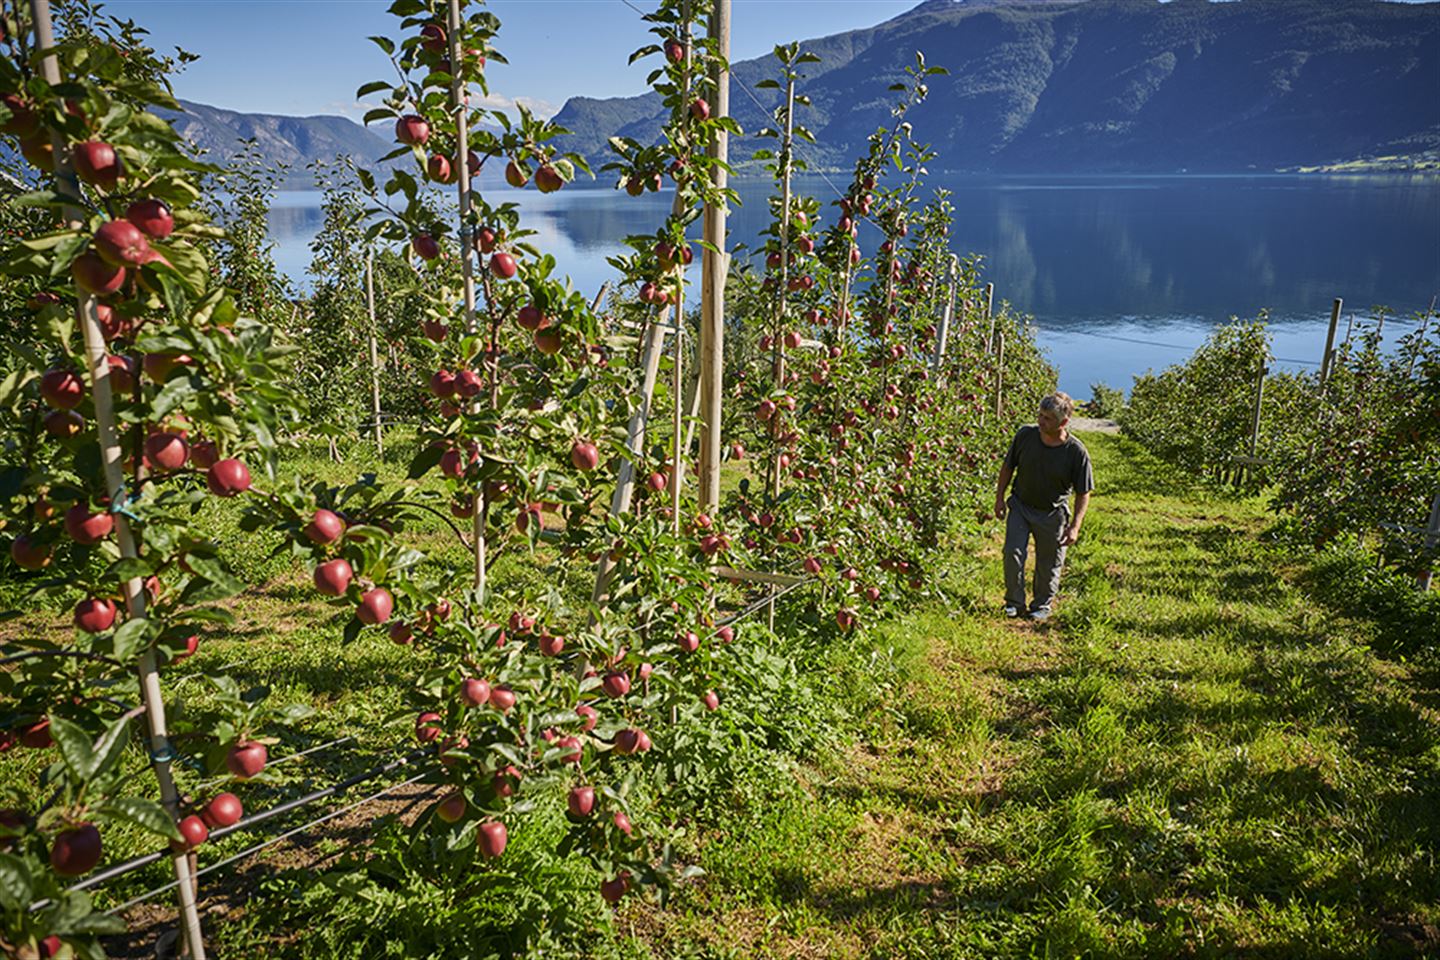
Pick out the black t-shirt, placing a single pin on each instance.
(1044, 475)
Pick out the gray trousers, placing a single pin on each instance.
(1021, 523)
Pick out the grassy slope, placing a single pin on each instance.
(1192, 759)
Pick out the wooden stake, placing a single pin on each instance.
(97, 359)
(999, 371)
(1259, 397)
(1330, 342)
(374, 356)
(634, 443)
(990, 317)
(948, 315)
(715, 263)
(467, 250)
(677, 467)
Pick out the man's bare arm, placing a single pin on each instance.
(1006, 472)
(1072, 532)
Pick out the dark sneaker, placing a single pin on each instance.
(1040, 614)
(1011, 610)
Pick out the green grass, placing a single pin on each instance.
(1193, 758)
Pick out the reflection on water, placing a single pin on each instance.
(1157, 259)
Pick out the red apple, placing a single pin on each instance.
(76, 850)
(333, 577)
(587, 713)
(631, 740)
(412, 130)
(622, 823)
(190, 645)
(228, 478)
(28, 554)
(375, 606)
(584, 455)
(401, 633)
(324, 527)
(699, 109)
(581, 801)
(122, 375)
(23, 122)
(425, 246)
(551, 646)
(616, 684)
(36, 735)
(159, 366)
(547, 179)
(674, 51)
(64, 424)
(490, 838)
(203, 454)
(502, 698)
(515, 176)
(61, 388)
(474, 693)
(194, 830)
(689, 641)
(442, 383)
(614, 890)
(153, 217)
(223, 810)
(468, 384)
(452, 808)
(438, 168)
(121, 244)
(657, 482)
(432, 38)
(168, 451)
(427, 727)
(547, 342)
(711, 700)
(246, 758)
(485, 240)
(435, 330)
(96, 163)
(94, 275)
(86, 527)
(502, 265)
(530, 317)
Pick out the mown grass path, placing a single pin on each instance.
(1192, 759)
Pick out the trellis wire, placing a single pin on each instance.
(268, 843)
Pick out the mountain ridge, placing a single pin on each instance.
(1104, 86)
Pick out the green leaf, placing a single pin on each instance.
(374, 86)
(384, 43)
(427, 458)
(16, 888)
(379, 113)
(111, 746)
(74, 744)
(143, 813)
(132, 635)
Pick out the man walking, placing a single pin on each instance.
(1050, 463)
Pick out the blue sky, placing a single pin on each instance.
(304, 57)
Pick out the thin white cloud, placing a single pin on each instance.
(543, 109)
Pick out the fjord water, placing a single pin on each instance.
(1122, 273)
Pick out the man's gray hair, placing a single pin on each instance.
(1058, 403)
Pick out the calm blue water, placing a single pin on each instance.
(1100, 262)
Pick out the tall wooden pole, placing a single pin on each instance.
(1259, 398)
(677, 389)
(999, 372)
(467, 246)
(374, 355)
(715, 262)
(1335, 309)
(97, 360)
(948, 315)
(990, 317)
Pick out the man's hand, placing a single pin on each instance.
(1071, 534)
(999, 508)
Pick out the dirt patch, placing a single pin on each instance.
(1093, 425)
